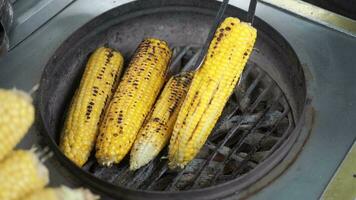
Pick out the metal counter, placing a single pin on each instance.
(327, 56)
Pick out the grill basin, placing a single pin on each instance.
(255, 132)
(254, 123)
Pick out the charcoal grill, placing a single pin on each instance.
(255, 132)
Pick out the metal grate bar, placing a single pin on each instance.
(285, 112)
(120, 174)
(227, 137)
(261, 97)
(258, 100)
(177, 59)
(252, 88)
(190, 64)
(241, 141)
(90, 164)
(161, 172)
(287, 132)
(212, 156)
(236, 157)
(249, 91)
(284, 136)
(243, 77)
(171, 186)
(137, 177)
(234, 150)
(254, 84)
(149, 172)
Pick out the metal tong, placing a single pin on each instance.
(218, 18)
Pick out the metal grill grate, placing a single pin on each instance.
(255, 122)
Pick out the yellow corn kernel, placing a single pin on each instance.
(132, 101)
(16, 117)
(211, 88)
(157, 130)
(96, 87)
(61, 193)
(21, 173)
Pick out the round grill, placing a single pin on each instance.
(254, 123)
(253, 135)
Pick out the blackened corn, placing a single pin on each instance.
(96, 87)
(132, 101)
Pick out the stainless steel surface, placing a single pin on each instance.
(316, 14)
(31, 14)
(327, 57)
(328, 61)
(36, 49)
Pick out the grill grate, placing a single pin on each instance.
(255, 122)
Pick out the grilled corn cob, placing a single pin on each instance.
(96, 88)
(21, 173)
(210, 89)
(157, 130)
(61, 193)
(16, 117)
(132, 101)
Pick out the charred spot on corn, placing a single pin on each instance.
(77, 140)
(156, 131)
(210, 89)
(136, 90)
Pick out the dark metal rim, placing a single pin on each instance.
(217, 191)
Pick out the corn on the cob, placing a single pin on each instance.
(61, 193)
(132, 101)
(211, 87)
(21, 173)
(16, 117)
(96, 88)
(157, 130)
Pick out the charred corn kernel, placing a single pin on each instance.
(132, 101)
(16, 117)
(210, 89)
(157, 130)
(61, 193)
(21, 173)
(96, 87)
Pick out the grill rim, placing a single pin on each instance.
(221, 190)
